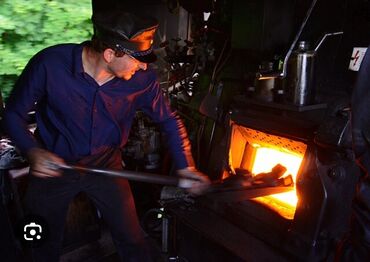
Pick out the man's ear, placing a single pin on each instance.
(108, 54)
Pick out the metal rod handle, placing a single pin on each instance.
(130, 175)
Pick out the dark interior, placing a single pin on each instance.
(227, 82)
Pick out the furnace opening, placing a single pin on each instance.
(259, 152)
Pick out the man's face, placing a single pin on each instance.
(125, 66)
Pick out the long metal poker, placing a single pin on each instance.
(131, 175)
(216, 190)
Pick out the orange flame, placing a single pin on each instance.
(265, 159)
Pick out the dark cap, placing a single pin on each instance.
(127, 33)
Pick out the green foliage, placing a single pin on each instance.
(27, 26)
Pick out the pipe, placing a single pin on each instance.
(283, 73)
(325, 36)
(287, 56)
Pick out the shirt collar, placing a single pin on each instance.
(77, 58)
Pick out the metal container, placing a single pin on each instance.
(264, 89)
(264, 86)
(299, 85)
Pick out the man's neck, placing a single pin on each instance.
(94, 66)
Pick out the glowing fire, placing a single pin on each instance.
(265, 159)
(258, 152)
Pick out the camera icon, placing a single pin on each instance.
(32, 231)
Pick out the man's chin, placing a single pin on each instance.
(127, 77)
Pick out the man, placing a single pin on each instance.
(85, 97)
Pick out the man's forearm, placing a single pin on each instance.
(178, 143)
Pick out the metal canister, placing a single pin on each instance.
(299, 85)
(264, 85)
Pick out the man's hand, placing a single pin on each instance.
(41, 163)
(194, 181)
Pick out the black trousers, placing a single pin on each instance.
(50, 197)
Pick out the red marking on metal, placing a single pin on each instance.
(356, 57)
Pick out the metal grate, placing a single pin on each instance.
(267, 140)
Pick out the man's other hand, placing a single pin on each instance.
(43, 163)
(195, 182)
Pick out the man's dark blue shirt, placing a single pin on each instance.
(76, 117)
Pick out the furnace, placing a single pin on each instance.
(258, 152)
(295, 216)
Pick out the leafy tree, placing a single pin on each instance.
(27, 26)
